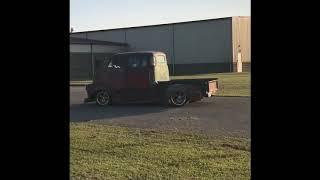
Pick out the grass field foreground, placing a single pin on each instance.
(107, 152)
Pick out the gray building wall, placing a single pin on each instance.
(79, 35)
(203, 47)
(80, 66)
(194, 47)
(84, 62)
(114, 36)
(159, 38)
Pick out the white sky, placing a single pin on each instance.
(86, 15)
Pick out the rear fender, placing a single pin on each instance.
(173, 88)
(92, 90)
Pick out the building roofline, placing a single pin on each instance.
(186, 22)
(76, 40)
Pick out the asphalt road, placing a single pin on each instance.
(226, 115)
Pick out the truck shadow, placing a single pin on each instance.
(88, 112)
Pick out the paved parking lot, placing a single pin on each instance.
(229, 115)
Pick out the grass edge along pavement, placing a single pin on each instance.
(107, 152)
(230, 84)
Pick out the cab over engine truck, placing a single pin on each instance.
(144, 77)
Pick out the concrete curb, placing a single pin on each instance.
(80, 83)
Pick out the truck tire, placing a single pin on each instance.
(103, 98)
(177, 96)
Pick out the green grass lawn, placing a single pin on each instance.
(107, 152)
(230, 84)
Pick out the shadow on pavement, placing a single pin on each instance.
(87, 112)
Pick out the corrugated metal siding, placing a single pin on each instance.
(79, 35)
(203, 42)
(106, 49)
(157, 38)
(114, 36)
(83, 48)
(80, 66)
(196, 42)
(241, 35)
(80, 48)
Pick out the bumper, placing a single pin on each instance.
(212, 88)
(90, 90)
(208, 94)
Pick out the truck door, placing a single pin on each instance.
(139, 76)
(115, 77)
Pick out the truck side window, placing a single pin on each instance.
(144, 62)
(134, 62)
(138, 61)
(117, 62)
(109, 64)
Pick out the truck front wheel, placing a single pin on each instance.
(103, 98)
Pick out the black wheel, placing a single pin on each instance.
(178, 97)
(103, 98)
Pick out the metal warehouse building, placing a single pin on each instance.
(87, 55)
(205, 46)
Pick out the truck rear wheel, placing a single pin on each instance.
(103, 98)
(178, 97)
